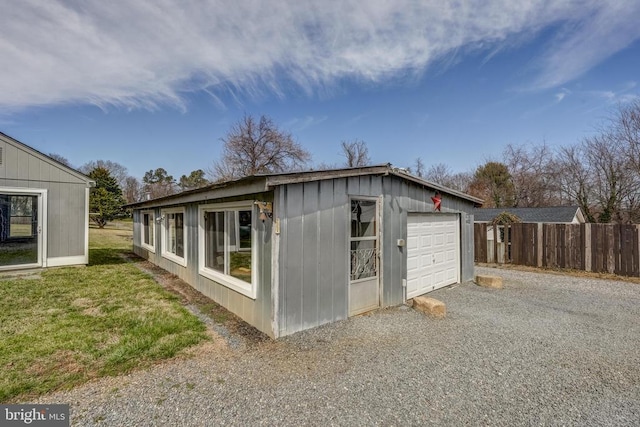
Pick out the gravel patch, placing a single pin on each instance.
(545, 350)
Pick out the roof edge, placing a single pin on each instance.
(275, 179)
(43, 156)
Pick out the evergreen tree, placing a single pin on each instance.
(105, 201)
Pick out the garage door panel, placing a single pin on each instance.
(413, 263)
(450, 256)
(425, 261)
(437, 247)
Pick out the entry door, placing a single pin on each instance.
(364, 244)
(20, 230)
(433, 252)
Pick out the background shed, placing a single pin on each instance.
(44, 209)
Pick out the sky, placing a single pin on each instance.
(152, 84)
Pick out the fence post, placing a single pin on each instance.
(637, 260)
(587, 246)
(539, 242)
(495, 244)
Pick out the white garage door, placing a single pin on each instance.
(433, 252)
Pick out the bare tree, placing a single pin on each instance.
(610, 182)
(132, 190)
(60, 159)
(356, 153)
(252, 147)
(441, 173)
(574, 178)
(438, 173)
(419, 167)
(595, 175)
(626, 126)
(326, 166)
(460, 181)
(116, 170)
(602, 173)
(532, 175)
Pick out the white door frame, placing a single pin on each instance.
(42, 224)
(376, 238)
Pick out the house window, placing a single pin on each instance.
(227, 250)
(148, 231)
(174, 239)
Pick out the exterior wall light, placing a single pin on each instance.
(266, 210)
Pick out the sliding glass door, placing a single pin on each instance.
(20, 230)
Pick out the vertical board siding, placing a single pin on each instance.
(467, 271)
(291, 261)
(314, 257)
(264, 296)
(66, 197)
(390, 215)
(255, 312)
(326, 239)
(23, 165)
(312, 284)
(396, 224)
(65, 215)
(339, 249)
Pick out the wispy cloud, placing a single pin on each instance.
(622, 95)
(298, 124)
(598, 30)
(562, 94)
(143, 54)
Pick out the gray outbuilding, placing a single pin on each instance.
(44, 209)
(289, 252)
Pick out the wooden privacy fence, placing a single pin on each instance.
(602, 248)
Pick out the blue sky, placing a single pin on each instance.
(158, 83)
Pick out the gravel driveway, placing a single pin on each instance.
(545, 350)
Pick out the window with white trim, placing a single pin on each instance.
(174, 238)
(227, 246)
(148, 231)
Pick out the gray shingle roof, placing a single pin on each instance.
(555, 214)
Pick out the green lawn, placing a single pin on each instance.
(74, 324)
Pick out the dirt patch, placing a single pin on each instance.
(65, 361)
(214, 314)
(82, 302)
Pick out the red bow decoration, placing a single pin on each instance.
(436, 202)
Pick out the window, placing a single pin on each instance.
(173, 236)
(148, 231)
(364, 239)
(226, 246)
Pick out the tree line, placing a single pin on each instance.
(600, 173)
